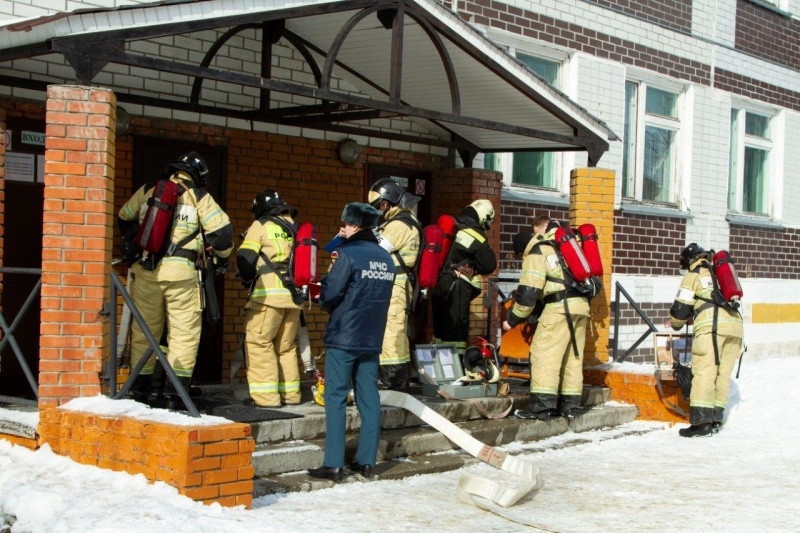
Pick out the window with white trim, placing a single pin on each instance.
(750, 170)
(531, 169)
(650, 172)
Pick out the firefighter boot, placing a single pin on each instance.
(540, 407)
(174, 402)
(141, 388)
(394, 377)
(701, 419)
(569, 406)
(716, 426)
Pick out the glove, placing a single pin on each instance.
(220, 266)
(513, 319)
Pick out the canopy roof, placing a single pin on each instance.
(366, 61)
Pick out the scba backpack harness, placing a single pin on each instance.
(153, 234)
(413, 272)
(581, 265)
(294, 276)
(727, 290)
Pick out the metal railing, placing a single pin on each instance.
(8, 335)
(153, 348)
(651, 327)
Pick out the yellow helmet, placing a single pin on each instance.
(485, 211)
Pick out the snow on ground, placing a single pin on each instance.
(639, 477)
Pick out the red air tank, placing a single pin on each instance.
(573, 255)
(727, 279)
(590, 248)
(305, 255)
(449, 228)
(430, 258)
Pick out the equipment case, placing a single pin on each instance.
(439, 365)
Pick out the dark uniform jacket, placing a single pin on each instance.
(356, 292)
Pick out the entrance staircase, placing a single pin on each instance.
(286, 448)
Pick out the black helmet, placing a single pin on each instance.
(385, 189)
(193, 164)
(478, 367)
(689, 254)
(269, 203)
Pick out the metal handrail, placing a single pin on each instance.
(651, 327)
(153, 348)
(8, 334)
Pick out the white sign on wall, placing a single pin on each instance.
(32, 137)
(20, 167)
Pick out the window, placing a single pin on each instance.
(532, 169)
(536, 168)
(750, 162)
(650, 152)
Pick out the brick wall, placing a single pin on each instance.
(765, 252)
(211, 464)
(629, 319)
(673, 14)
(77, 228)
(641, 390)
(767, 34)
(516, 216)
(547, 29)
(756, 89)
(647, 245)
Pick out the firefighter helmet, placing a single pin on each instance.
(385, 189)
(690, 253)
(485, 211)
(269, 203)
(477, 367)
(193, 164)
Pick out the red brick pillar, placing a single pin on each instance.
(454, 189)
(76, 243)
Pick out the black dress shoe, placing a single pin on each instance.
(327, 472)
(699, 430)
(364, 470)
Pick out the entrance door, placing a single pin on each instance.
(151, 156)
(22, 248)
(416, 182)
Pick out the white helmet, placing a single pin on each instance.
(485, 212)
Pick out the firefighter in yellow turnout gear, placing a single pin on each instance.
(166, 290)
(556, 353)
(711, 378)
(400, 234)
(273, 316)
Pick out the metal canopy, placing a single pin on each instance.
(366, 61)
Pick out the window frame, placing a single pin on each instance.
(773, 165)
(680, 125)
(561, 160)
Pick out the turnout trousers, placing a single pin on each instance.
(273, 375)
(556, 371)
(711, 383)
(176, 306)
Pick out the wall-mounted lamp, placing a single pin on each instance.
(348, 151)
(123, 122)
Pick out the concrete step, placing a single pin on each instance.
(280, 458)
(312, 423)
(417, 451)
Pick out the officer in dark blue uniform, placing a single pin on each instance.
(356, 292)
